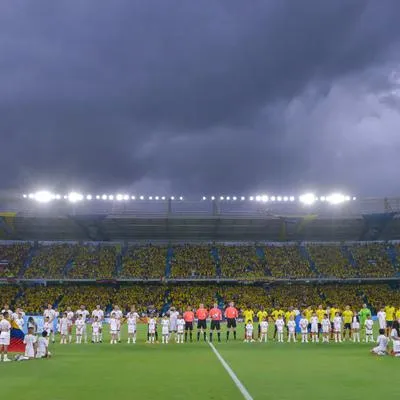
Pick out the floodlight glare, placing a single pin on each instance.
(126, 197)
(119, 197)
(335, 198)
(354, 198)
(323, 198)
(150, 197)
(65, 197)
(347, 198)
(163, 198)
(156, 197)
(97, 197)
(212, 198)
(243, 198)
(258, 198)
(57, 197)
(141, 197)
(43, 196)
(273, 198)
(307, 198)
(285, 198)
(251, 198)
(172, 198)
(89, 197)
(234, 198)
(104, 197)
(73, 197)
(228, 198)
(24, 196)
(291, 198)
(31, 195)
(265, 198)
(111, 197)
(221, 198)
(279, 198)
(133, 197)
(204, 198)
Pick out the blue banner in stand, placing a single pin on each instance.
(39, 321)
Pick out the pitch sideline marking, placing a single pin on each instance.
(228, 369)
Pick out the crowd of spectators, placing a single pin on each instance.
(35, 299)
(50, 261)
(240, 262)
(330, 261)
(287, 262)
(192, 261)
(12, 259)
(372, 260)
(93, 261)
(143, 297)
(144, 262)
(181, 296)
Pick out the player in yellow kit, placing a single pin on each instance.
(261, 316)
(347, 319)
(390, 311)
(398, 315)
(320, 315)
(308, 313)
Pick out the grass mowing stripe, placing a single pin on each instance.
(228, 369)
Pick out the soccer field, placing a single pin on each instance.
(193, 371)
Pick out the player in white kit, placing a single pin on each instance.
(118, 316)
(291, 325)
(337, 328)
(173, 318)
(355, 327)
(113, 328)
(314, 328)
(64, 328)
(180, 328)
(42, 346)
(304, 329)
(394, 335)
(5, 336)
(381, 349)
(99, 313)
(79, 329)
(19, 320)
(30, 344)
(369, 329)
(132, 320)
(152, 322)
(84, 314)
(70, 317)
(165, 329)
(51, 315)
(280, 323)
(264, 330)
(96, 330)
(249, 332)
(382, 319)
(326, 329)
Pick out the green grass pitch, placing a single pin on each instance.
(192, 371)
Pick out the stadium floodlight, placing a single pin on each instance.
(150, 197)
(89, 197)
(279, 198)
(285, 198)
(133, 197)
(273, 198)
(74, 197)
(111, 197)
(335, 198)
(212, 198)
(43, 196)
(291, 198)
(104, 197)
(243, 198)
(156, 198)
(265, 198)
(58, 197)
(97, 197)
(258, 198)
(354, 198)
(163, 198)
(347, 198)
(172, 197)
(204, 198)
(251, 198)
(65, 197)
(119, 197)
(234, 198)
(307, 199)
(31, 196)
(126, 197)
(323, 198)
(181, 198)
(228, 198)
(221, 198)
(24, 196)
(141, 197)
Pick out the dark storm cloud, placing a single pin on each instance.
(199, 96)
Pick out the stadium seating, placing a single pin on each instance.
(144, 262)
(192, 261)
(12, 259)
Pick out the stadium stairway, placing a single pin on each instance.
(392, 254)
(28, 261)
(306, 255)
(261, 256)
(168, 262)
(348, 255)
(215, 255)
(118, 260)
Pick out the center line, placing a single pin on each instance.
(228, 369)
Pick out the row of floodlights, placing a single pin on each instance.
(74, 197)
(307, 199)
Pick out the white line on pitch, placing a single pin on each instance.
(228, 369)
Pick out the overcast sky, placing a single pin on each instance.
(191, 97)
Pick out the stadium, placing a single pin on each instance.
(264, 253)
